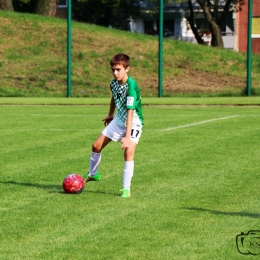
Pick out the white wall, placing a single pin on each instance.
(138, 25)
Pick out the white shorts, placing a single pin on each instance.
(115, 132)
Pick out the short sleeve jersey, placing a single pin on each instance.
(127, 97)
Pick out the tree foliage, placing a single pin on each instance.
(102, 12)
(105, 12)
(41, 7)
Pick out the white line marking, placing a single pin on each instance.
(198, 123)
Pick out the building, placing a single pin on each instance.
(175, 21)
(234, 28)
(242, 28)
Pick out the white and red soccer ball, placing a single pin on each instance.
(73, 183)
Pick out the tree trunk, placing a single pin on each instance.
(216, 36)
(192, 24)
(216, 30)
(47, 7)
(6, 5)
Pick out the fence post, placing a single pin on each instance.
(69, 49)
(249, 48)
(160, 63)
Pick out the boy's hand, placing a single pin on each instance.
(125, 142)
(107, 120)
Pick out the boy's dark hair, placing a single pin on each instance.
(121, 59)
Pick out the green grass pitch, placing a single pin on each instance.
(195, 186)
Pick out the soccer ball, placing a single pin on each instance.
(73, 183)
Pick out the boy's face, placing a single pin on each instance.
(120, 73)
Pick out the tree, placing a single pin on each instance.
(105, 12)
(214, 11)
(6, 5)
(102, 12)
(191, 21)
(214, 14)
(43, 7)
(46, 7)
(126, 9)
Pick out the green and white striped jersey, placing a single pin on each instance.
(127, 97)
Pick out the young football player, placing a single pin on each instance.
(125, 126)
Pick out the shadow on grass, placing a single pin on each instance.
(103, 192)
(233, 214)
(54, 188)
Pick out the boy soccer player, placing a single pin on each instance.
(125, 127)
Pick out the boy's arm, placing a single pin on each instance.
(126, 140)
(111, 112)
(112, 107)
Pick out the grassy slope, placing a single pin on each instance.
(33, 61)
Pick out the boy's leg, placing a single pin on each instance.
(129, 166)
(128, 174)
(95, 157)
(100, 143)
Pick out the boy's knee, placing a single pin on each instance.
(96, 148)
(129, 154)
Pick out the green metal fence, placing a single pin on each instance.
(167, 60)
